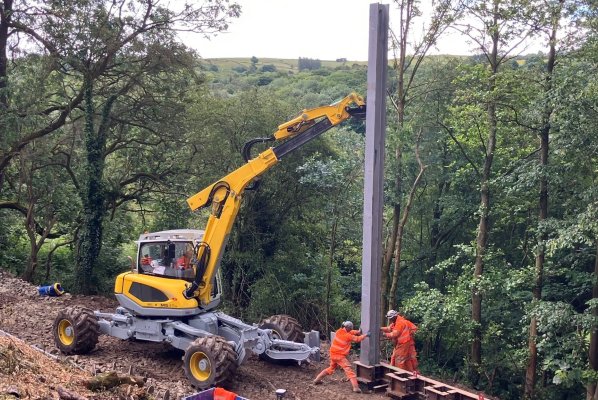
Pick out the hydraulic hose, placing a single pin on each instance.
(246, 152)
(200, 269)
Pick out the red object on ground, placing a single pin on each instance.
(223, 394)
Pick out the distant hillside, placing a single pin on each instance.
(285, 65)
(281, 64)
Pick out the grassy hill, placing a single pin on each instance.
(281, 64)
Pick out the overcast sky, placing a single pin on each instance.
(322, 29)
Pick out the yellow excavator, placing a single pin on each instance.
(174, 285)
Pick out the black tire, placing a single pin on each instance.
(285, 328)
(209, 361)
(76, 330)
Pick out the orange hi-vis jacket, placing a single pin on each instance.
(342, 342)
(401, 331)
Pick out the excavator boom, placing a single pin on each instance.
(335, 113)
(225, 194)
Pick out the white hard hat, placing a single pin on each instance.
(348, 324)
(391, 314)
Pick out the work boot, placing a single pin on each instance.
(318, 379)
(355, 385)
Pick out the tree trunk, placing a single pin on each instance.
(435, 238)
(31, 264)
(93, 195)
(35, 246)
(592, 387)
(5, 14)
(481, 241)
(531, 371)
(482, 236)
(407, 11)
(30, 229)
(392, 300)
(392, 240)
(330, 271)
(405, 8)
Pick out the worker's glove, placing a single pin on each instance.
(368, 334)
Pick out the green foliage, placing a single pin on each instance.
(268, 68)
(308, 63)
(240, 69)
(172, 131)
(13, 244)
(563, 339)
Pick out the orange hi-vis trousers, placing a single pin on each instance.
(340, 362)
(404, 356)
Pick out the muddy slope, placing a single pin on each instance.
(29, 317)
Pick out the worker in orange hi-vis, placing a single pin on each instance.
(339, 349)
(401, 331)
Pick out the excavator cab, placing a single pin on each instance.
(165, 268)
(168, 259)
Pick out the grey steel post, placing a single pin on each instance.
(374, 182)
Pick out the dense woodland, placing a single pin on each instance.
(108, 123)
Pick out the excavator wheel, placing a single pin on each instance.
(285, 328)
(209, 361)
(75, 330)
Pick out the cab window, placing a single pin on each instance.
(171, 259)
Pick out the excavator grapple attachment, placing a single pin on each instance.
(358, 112)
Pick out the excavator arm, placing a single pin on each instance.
(224, 195)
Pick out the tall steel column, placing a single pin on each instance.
(374, 182)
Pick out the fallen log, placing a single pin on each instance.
(111, 379)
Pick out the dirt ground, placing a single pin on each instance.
(29, 317)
